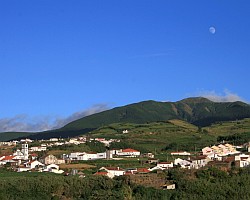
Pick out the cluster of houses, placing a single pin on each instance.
(196, 162)
(215, 155)
(217, 152)
(26, 159)
(117, 171)
(22, 160)
(109, 154)
(222, 154)
(58, 142)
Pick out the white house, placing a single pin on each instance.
(7, 159)
(87, 156)
(18, 155)
(221, 150)
(181, 153)
(74, 141)
(199, 161)
(128, 153)
(51, 159)
(34, 164)
(115, 171)
(52, 168)
(183, 163)
(31, 165)
(243, 159)
(74, 155)
(23, 169)
(26, 140)
(53, 139)
(101, 155)
(170, 186)
(43, 147)
(58, 143)
(207, 150)
(165, 165)
(125, 131)
(215, 156)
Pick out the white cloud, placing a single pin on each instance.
(226, 96)
(24, 123)
(60, 122)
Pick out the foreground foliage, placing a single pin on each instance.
(202, 184)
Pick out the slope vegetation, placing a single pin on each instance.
(198, 111)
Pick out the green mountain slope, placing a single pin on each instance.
(147, 111)
(198, 111)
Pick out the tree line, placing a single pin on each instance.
(210, 183)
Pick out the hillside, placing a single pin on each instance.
(173, 134)
(197, 111)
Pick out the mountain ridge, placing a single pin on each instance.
(195, 110)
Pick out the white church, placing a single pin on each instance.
(23, 154)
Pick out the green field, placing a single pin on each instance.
(174, 135)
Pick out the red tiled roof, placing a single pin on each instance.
(129, 150)
(8, 157)
(101, 173)
(128, 173)
(143, 170)
(114, 168)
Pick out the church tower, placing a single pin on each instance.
(25, 151)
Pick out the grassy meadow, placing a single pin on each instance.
(171, 135)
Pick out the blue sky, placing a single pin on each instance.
(60, 57)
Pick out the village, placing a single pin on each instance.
(26, 159)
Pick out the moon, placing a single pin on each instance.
(212, 30)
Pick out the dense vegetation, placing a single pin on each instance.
(236, 139)
(72, 187)
(210, 183)
(198, 111)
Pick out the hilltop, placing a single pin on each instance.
(198, 111)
